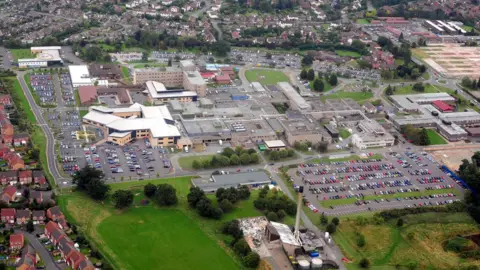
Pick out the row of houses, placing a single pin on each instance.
(29, 257)
(23, 177)
(13, 216)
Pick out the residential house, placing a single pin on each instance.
(8, 215)
(57, 235)
(39, 178)
(23, 216)
(36, 196)
(65, 245)
(25, 177)
(29, 259)
(222, 79)
(5, 100)
(8, 177)
(38, 217)
(20, 139)
(74, 258)
(9, 194)
(54, 213)
(62, 223)
(14, 161)
(16, 241)
(50, 227)
(85, 265)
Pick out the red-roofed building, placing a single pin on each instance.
(207, 75)
(5, 100)
(39, 178)
(442, 106)
(14, 161)
(8, 215)
(87, 94)
(228, 71)
(235, 35)
(20, 139)
(16, 241)
(25, 177)
(222, 79)
(9, 194)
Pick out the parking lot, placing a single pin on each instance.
(345, 71)
(404, 179)
(260, 58)
(42, 85)
(68, 95)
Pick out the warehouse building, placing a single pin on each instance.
(250, 179)
(80, 75)
(45, 57)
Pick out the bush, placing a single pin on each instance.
(335, 221)
(361, 242)
(323, 219)
(364, 263)
(251, 260)
(272, 216)
(226, 205)
(149, 190)
(458, 244)
(399, 222)
(281, 214)
(166, 195)
(241, 247)
(331, 228)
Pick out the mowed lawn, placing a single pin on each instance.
(146, 238)
(186, 162)
(347, 53)
(357, 96)
(265, 76)
(435, 138)
(21, 53)
(428, 89)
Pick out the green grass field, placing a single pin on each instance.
(21, 54)
(328, 203)
(266, 76)
(186, 162)
(416, 245)
(125, 74)
(347, 53)
(152, 64)
(466, 28)
(357, 96)
(362, 21)
(344, 133)
(349, 158)
(435, 138)
(83, 113)
(429, 88)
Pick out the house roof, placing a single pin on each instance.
(54, 211)
(38, 213)
(97, 70)
(442, 105)
(35, 194)
(10, 191)
(87, 93)
(26, 173)
(23, 213)
(9, 174)
(38, 174)
(51, 226)
(15, 238)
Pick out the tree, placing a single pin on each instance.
(93, 53)
(251, 260)
(307, 60)
(196, 164)
(401, 38)
(415, 73)
(281, 214)
(423, 137)
(419, 87)
(361, 242)
(195, 195)
(144, 56)
(389, 90)
(245, 159)
(400, 222)
(241, 247)
(206, 164)
(331, 228)
(290, 153)
(254, 158)
(274, 155)
(323, 219)
(318, 85)
(166, 195)
(322, 147)
(272, 216)
(364, 263)
(335, 221)
(310, 75)
(30, 228)
(228, 152)
(234, 160)
(303, 74)
(97, 189)
(122, 198)
(169, 62)
(149, 190)
(333, 80)
(243, 192)
(220, 48)
(466, 82)
(226, 205)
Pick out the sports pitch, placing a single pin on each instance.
(452, 60)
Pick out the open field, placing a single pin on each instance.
(265, 76)
(429, 88)
(453, 157)
(186, 162)
(357, 96)
(416, 245)
(435, 138)
(362, 21)
(328, 203)
(21, 53)
(347, 53)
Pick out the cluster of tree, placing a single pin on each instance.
(197, 199)
(417, 136)
(163, 194)
(232, 228)
(6, 73)
(318, 84)
(402, 52)
(330, 227)
(229, 157)
(91, 53)
(226, 198)
(418, 87)
(390, 90)
(90, 181)
(468, 83)
(278, 155)
(275, 204)
(122, 198)
(267, 6)
(392, 214)
(458, 244)
(470, 173)
(410, 71)
(321, 147)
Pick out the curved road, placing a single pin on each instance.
(49, 138)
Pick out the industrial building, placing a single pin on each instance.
(251, 179)
(122, 125)
(105, 71)
(371, 134)
(80, 75)
(158, 94)
(257, 87)
(296, 101)
(303, 129)
(169, 76)
(45, 57)
(333, 131)
(275, 145)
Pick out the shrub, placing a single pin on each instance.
(364, 263)
(361, 242)
(458, 244)
(335, 221)
(281, 214)
(251, 260)
(226, 205)
(399, 222)
(241, 247)
(331, 228)
(272, 216)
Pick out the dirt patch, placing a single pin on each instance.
(453, 158)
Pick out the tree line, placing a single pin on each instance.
(468, 83)
(275, 204)
(229, 157)
(470, 173)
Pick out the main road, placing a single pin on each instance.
(50, 152)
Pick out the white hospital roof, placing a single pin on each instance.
(158, 90)
(79, 74)
(275, 143)
(119, 134)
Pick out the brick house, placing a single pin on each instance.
(9, 194)
(20, 139)
(5, 100)
(73, 259)
(8, 215)
(36, 196)
(23, 216)
(25, 177)
(54, 213)
(85, 265)
(8, 177)
(39, 178)
(228, 71)
(57, 235)
(62, 223)
(38, 217)
(16, 241)
(65, 245)
(50, 227)
(14, 161)
(29, 259)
